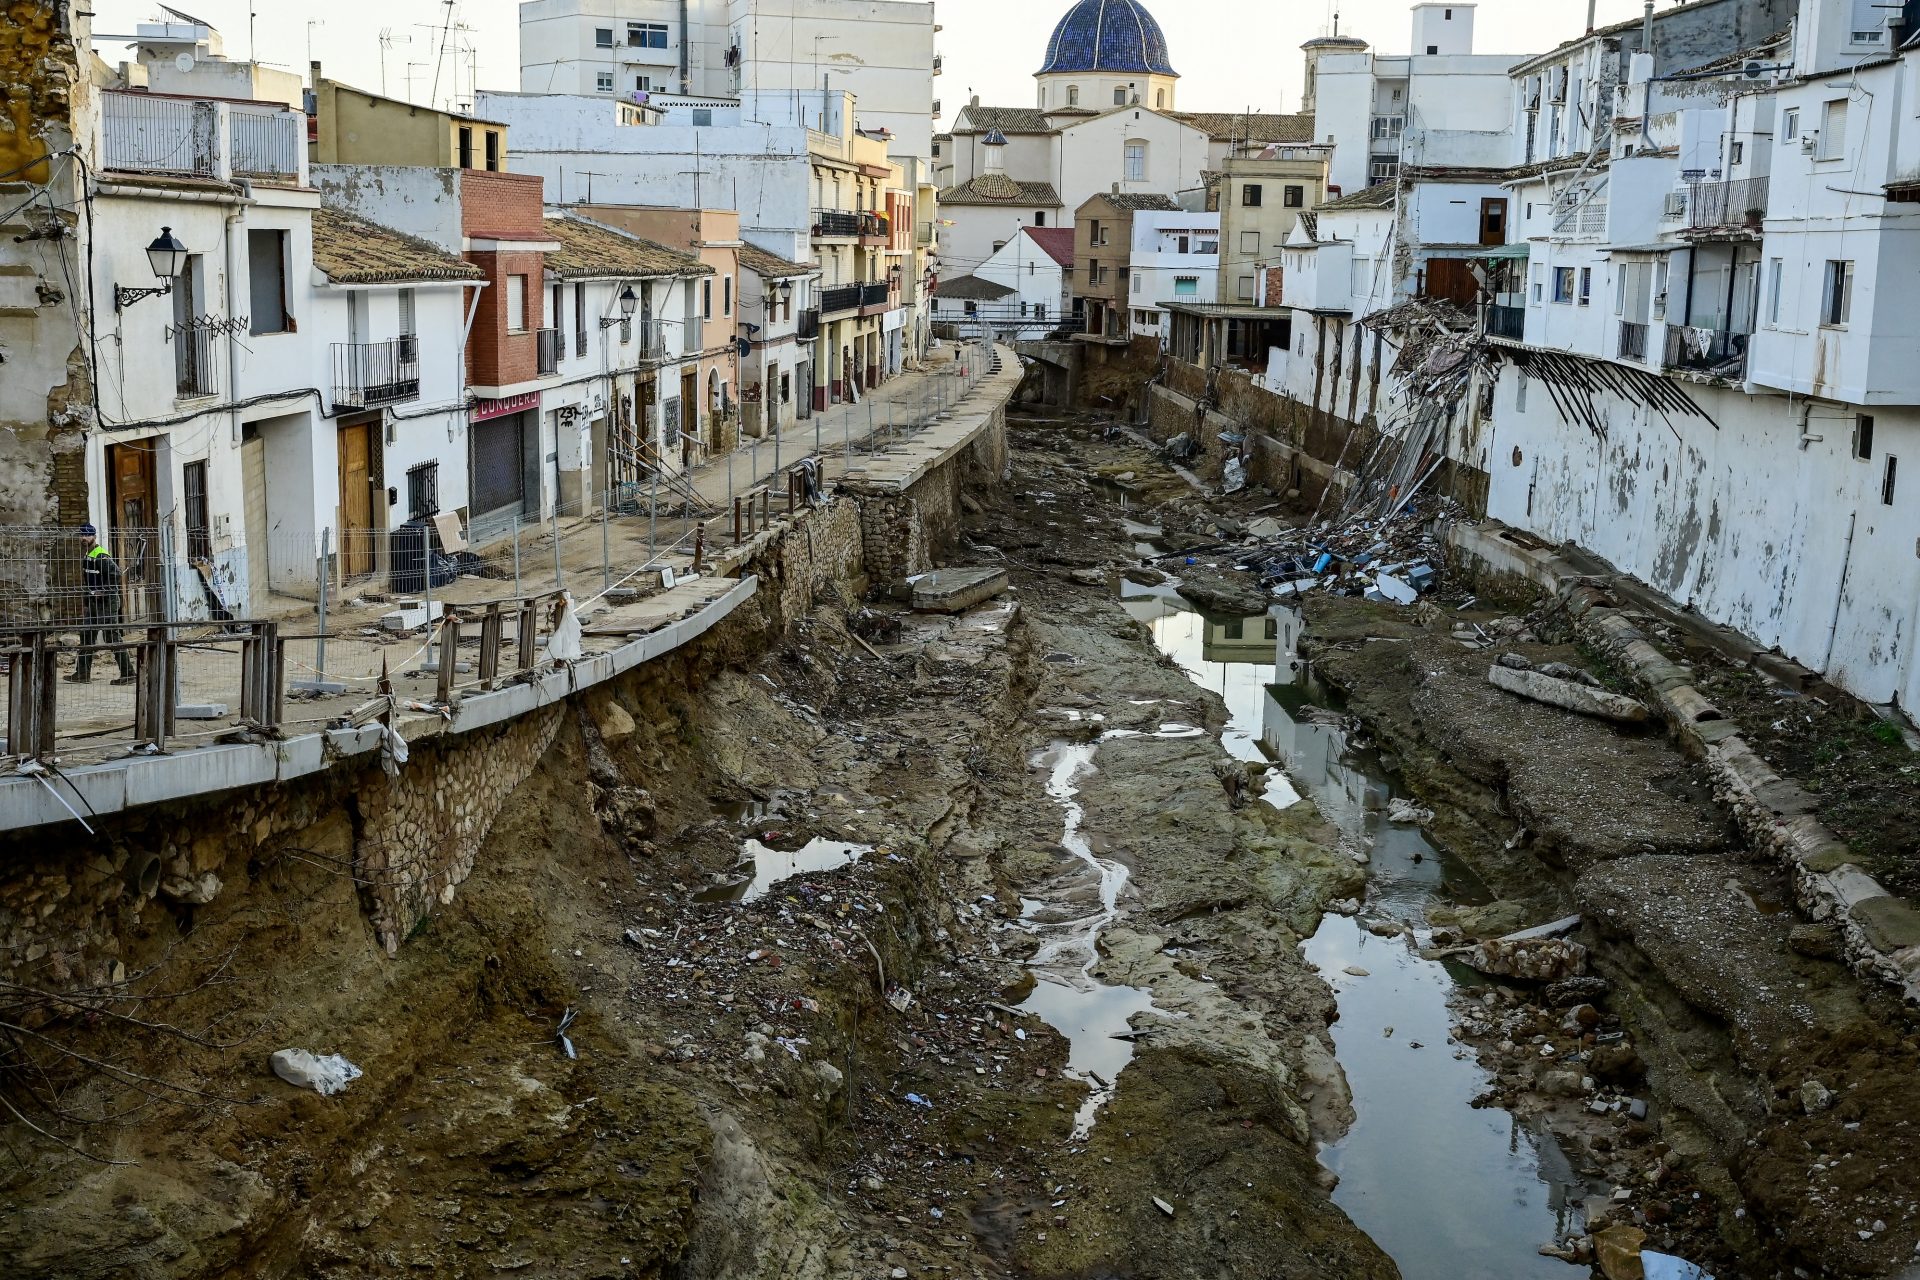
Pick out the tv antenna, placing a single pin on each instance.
(387, 41)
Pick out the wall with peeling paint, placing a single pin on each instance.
(1789, 544)
(45, 393)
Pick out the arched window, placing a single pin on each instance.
(1159, 99)
(1073, 95)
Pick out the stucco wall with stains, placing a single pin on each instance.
(1789, 542)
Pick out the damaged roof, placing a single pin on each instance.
(350, 250)
(589, 251)
(1378, 196)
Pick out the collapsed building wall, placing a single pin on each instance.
(46, 393)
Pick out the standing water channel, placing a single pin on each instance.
(1449, 1191)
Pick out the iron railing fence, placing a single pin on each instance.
(1738, 202)
(144, 133)
(1507, 322)
(1714, 351)
(1633, 340)
(369, 374)
(264, 144)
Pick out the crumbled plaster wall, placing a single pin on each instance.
(46, 395)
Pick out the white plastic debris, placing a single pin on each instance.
(1663, 1266)
(325, 1075)
(1402, 810)
(1163, 1206)
(393, 750)
(564, 645)
(1398, 590)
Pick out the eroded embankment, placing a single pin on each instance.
(830, 1080)
(1777, 1082)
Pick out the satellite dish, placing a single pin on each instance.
(183, 63)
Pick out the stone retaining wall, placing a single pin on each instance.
(79, 910)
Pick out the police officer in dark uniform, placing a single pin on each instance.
(100, 575)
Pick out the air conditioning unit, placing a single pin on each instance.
(1810, 140)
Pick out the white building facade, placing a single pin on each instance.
(1176, 257)
(881, 51)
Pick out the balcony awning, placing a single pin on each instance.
(1502, 252)
(1658, 246)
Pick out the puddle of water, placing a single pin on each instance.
(1146, 538)
(1066, 995)
(771, 866)
(1234, 657)
(1450, 1192)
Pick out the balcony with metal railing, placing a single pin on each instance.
(1507, 322)
(264, 144)
(836, 224)
(195, 355)
(202, 138)
(1713, 353)
(1633, 340)
(1735, 207)
(546, 352)
(875, 294)
(369, 374)
(808, 327)
(843, 297)
(649, 338)
(876, 228)
(143, 133)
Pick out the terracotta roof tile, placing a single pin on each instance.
(771, 265)
(1256, 126)
(589, 251)
(350, 250)
(997, 188)
(1056, 241)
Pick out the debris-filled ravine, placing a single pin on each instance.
(1208, 903)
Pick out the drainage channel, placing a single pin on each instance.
(1449, 1191)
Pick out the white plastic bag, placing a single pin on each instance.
(324, 1075)
(1663, 1266)
(564, 645)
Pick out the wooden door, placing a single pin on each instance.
(359, 473)
(133, 523)
(253, 499)
(690, 413)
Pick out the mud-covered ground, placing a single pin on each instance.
(592, 1064)
(836, 1079)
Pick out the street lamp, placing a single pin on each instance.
(786, 292)
(168, 257)
(629, 303)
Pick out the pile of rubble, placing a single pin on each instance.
(1389, 558)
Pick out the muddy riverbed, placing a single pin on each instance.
(1068, 938)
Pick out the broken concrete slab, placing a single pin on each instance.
(956, 590)
(1222, 596)
(1568, 696)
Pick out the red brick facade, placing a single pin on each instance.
(497, 356)
(500, 206)
(502, 350)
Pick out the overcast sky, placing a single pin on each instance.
(1230, 53)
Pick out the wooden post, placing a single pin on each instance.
(529, 633)
(150, 688)
(449, 652)
(490, 629)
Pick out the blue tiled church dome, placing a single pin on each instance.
(1108, 35)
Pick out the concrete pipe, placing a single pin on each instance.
(143, 874)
